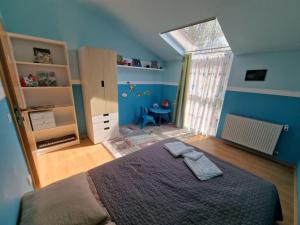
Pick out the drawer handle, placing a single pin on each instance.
(106, 121)
(106, 114)
(106, 128)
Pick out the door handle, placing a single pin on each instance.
(18, 115)
(102, 83)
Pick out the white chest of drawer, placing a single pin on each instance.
(42, 120)
(105, 127)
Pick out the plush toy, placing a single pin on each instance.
(29, 81)
(165, 103)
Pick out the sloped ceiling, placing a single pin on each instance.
(249, 25)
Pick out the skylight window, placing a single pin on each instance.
(199, 37)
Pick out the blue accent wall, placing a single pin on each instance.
(78, 100)
(169, 92)
(129, 107)
(283, 74)
(298, 189)
(13, 169)
(272, 108)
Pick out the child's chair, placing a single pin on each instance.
(146, 118)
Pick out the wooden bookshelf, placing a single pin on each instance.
(58, 99)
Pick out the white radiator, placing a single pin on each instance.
(255, 134)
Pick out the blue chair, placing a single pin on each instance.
(145, 117)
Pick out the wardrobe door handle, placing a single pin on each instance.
(102, 83)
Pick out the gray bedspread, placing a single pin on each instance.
(151, 187)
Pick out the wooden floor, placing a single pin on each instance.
(280, 175)
(62, 164)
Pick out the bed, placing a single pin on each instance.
(152, 187)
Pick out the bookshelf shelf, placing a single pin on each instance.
(45, 88)
(40, 64)
(65, 125)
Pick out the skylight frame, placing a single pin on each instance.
(181, 43)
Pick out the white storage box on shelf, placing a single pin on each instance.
(42, 120)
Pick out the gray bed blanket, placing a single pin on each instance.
(151, 187)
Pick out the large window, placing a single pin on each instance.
(207, 81)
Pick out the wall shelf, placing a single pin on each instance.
(139, 68)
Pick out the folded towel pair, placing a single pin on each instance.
(193, 155)
(197, 162)
(203, 168)
(177, 148)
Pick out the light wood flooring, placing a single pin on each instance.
(61, 164)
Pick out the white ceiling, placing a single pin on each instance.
(249, 25)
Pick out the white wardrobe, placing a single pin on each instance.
(98, 73)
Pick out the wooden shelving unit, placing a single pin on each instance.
(58, 99)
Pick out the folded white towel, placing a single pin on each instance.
(194, 155)
(203, 168)
(177, 148)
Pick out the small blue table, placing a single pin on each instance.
(160, 111)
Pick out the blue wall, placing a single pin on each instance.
(81, 24)
(78, 99)
(172, 72)
(298, 189)
(13, 170)
(129, 107)
(282, 77)
(76, 22)
(272, 108)
(283, 69)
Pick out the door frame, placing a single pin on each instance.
(14, 110)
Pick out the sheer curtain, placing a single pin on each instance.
(206, 90)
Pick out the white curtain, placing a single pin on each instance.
(207, 85)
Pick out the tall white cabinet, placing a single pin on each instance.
(98, 73)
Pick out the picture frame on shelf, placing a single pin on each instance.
(154, 64)
(42, 55)
(136, 63)
(46, 79)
